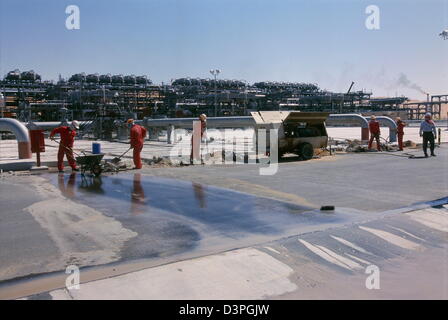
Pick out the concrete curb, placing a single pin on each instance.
(17, 165)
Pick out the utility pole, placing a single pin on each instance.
(2, 104)
(102, 108)
(215, 73)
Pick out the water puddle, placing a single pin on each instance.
(173, 216)
(175, 220)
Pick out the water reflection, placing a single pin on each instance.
(67, 190)
(92, 184)
(199, 194)
(138, 199)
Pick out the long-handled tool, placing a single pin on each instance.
(117, 159)
(69, 149)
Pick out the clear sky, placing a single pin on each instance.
(324, 42)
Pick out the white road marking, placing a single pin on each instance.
(409, 234)
(359, 259)
(436, 211)
(351, 245)
(392, 238)
(273, 250)
(352, 264)
(324, 254)
(433, 220)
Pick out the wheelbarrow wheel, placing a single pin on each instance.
(96, 170)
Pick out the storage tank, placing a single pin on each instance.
(13, 75)
(29, 76)
(93, 78)
(78, 77)
(117, 79)
(142, 80)
(105, 78)
(130, 79)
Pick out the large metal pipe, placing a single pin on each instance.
(388, 122)
(217, 122)
(354, 119)
(50, 125)
(21, 133)
(248, 121)
(212, 122)
(187, 123)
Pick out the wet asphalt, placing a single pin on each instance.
(371, 182)
(172, 216)
(185, 212)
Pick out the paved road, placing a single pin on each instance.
(364, 181)
(400, 256)
(169, 214)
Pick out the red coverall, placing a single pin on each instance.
(374, 127)
(67, 139)
(138, 134)
(203, 128)
(400, 134)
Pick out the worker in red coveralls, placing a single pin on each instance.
(400, 132)
(374, 128)
(67, 134)
(203, 119)
(138, 134)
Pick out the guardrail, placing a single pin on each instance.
(170, 124)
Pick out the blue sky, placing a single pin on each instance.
(324, 42)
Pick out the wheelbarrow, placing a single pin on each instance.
(91, 162)
(86, 161)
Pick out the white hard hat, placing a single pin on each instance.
(75, 124)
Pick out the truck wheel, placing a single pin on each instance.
(306, 151)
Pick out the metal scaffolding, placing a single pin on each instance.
(108, 98)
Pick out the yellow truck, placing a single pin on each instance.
(298, 132)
